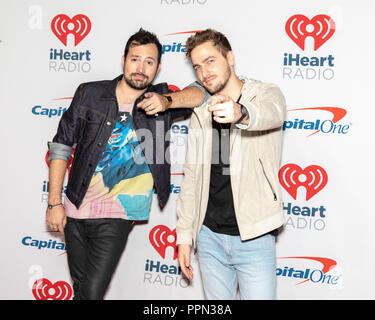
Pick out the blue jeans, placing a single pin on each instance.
(227, 263)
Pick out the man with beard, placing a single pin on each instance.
(119, 158)
(229, 207)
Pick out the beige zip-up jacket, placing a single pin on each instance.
(255, 152)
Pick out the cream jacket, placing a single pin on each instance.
(255, 152)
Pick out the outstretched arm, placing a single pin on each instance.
(266, 111)
(189, 97)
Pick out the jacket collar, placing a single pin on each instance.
(110, 91)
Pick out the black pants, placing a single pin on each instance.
(94, 247)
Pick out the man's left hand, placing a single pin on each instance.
(224, 109)
(153, 103)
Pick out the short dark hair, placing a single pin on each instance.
(143, 37)
(217, 38)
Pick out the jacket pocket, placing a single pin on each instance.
(268, 181)
(91, 122)
(88, 131)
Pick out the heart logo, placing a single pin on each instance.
(313, 179)
(299, 27)
(79, 26)
(43, 289)
(161, 237)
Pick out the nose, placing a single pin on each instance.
(205, 72)
(141, 67)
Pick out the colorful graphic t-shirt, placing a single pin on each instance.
(122, 184)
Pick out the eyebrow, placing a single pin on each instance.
(138, 56)
(210, 57)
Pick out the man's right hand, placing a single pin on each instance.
(184, 260)
(56, 218)
(153, 103)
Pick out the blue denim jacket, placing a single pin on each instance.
(88, 124)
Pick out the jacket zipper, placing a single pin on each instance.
(269, 183)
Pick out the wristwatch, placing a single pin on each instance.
(169, 100)
(244, 113)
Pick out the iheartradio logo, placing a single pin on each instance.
(161, 237)
(43, 289)
(299, 27)
(313, 178)
(79, 26)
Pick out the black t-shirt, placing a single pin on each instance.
(220, 216)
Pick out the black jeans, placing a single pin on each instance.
(94, 247)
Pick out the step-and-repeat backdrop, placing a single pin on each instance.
(321, 55)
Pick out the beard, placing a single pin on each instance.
(137, 84)
(221, 85)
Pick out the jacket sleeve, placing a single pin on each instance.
(266, 109)
(68, 130)
(186, 112)
(186, 203)
(199, 86)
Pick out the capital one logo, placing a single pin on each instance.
(176, 46)
(43, 289)
(79, 26)
(321, 28)
(313, 178)
(326, 274)
(161, 237)
(326, 126)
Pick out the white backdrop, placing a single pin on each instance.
(325, 250)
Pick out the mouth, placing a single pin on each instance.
(209, 80)
(139, 76)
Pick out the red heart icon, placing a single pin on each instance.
(313, 178)
(299, 27)
(160, 238)
(79, 26)
(43, 289)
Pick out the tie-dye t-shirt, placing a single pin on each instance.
(122, 184)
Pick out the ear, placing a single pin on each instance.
(159, 66)
(230, 58)
(122, 62)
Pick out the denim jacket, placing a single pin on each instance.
(88, 124)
